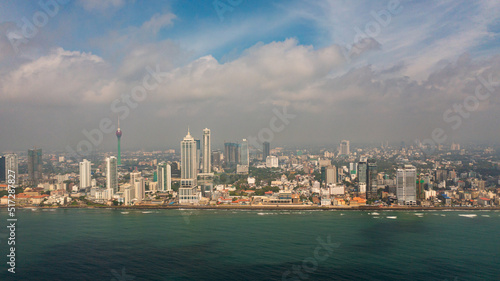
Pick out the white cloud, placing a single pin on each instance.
(159, 21)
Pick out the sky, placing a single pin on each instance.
(290, 72)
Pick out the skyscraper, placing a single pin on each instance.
(406, 185)
(140, 188)
(119, 136)
(266, 150)
(344, 147)
(362, 174)
(198, 155)
(371, 177)
(35, 165)
(133, 176)
(207, 151)
(164, 172)
(188, 161)
(85, 175)
(2, 169)
(245, 157)
(12, 163)
(231, 154)
(331, 175)
(112, 174)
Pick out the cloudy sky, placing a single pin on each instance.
(367, 71)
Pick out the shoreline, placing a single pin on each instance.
(272, 208)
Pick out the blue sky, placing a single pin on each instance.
(327, 61)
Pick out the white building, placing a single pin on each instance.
(207, 152)
(244, 155)
(133, 176)
(140, 188)
(272, 161)
(164, 174)
(128, 194)
(406, 186)
(188, 195)
(112, 173)
(188, 162)
(331, 175)
(85, 175)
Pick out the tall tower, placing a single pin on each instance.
(207, 151)
(85, 179)
(244, 155)
(111, 174)
(188, 161)
(35, 164)
(164, 172)
(266, 150)
(406, 185)
(119, 136)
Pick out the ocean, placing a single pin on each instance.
(109, 244)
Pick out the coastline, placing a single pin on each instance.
(270, 207)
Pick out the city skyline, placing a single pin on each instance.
(311, 59)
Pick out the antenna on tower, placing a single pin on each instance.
(118, 122)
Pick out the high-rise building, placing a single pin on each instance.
(216, 158)
(133, 176)
(272, 161)
(344, 147)
(245, 157)
(372, 183)
(231, 154)
(198, 155)
(406, 185)
(188, 161)
(119, 136)
(164, 172)
(35, 165)
(12, 164)
(207, 152)
(331, 175)
(140, 188)
(112, 174)
(2, 169)
(85, 175)
(266, 150)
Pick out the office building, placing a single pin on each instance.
(372, 183)
(231, 154)
(133, 176)
(140, 188)
(344, 147)
(207, 152)
(272, 161)
(266, 150)
(406, 185)
(35, 165)
(85, 174)
(245, 156)
(164, 173)
(331, 175)
(112, 174)
(188, 162)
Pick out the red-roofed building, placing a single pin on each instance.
(483, 201)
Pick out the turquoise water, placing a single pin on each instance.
(89, 244)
